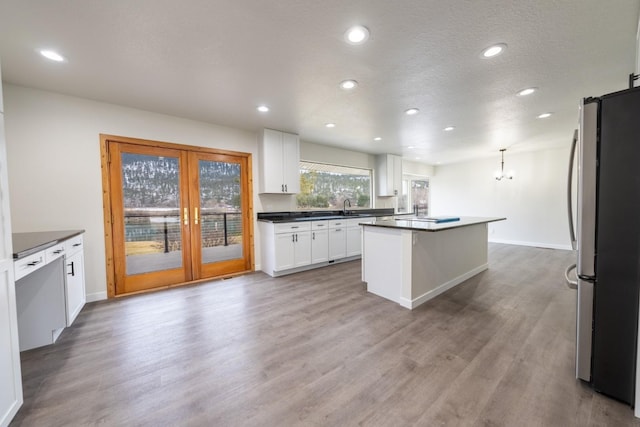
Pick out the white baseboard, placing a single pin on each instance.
(96, 296)
(411, 304)
(534, 244)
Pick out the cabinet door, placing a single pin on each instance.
(319, 246)
(271, 166)
(337, 243)
(302, 248)
(291, 163)
(397, 175)
(354, 241)
(284, 251)
(75, 292)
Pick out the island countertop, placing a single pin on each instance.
(424, 224)
(25, 244)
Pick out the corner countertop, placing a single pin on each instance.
(276, 217)
(25, 244)
(422, 224)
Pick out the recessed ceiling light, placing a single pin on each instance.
(412, 111)
(263, 108)
(377, 138)
(357, 35)
(52, 55)
(448, 128)
(527, 91)
(417, 158)
(494, 50)
(330, 125)
(348, 84)
(544, 115)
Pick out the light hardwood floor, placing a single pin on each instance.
(315, 349)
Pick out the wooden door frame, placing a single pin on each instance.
(105, 139)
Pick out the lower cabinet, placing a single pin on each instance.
(337, 239)
(291, 246)
(74, 286)
(319, 241)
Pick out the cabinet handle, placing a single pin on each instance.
(76, 245)
(59, 251)
(73, 272)
(338, 229)
(293, 237)
(313, 235)
(282, 185)
(286, 189)
(195, 219)
(34, 263)
(186, 216)
(296, 237)
(295, 227)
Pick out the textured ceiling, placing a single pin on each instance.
(216, 60)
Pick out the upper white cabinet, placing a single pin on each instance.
(388, 175)
(279, 162)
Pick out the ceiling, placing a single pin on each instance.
(217, 60)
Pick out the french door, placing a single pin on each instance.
(178, 214)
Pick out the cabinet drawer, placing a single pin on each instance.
(26, 265)
(73, 245)
(319, 225)
(288, 227)
(54, 252)
(338, 223)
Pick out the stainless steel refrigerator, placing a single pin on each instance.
(608, 242)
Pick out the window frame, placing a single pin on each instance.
(369, 171)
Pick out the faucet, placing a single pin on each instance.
(344, 206)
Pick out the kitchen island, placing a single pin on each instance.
(410, 260)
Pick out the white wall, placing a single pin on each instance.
(54, 162)
(534, 202)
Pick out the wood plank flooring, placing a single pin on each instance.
(315, 349)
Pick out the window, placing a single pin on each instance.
(415, 196)
(328, 186)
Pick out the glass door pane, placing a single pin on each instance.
(151, 199)
(220, 211)
(219, 196)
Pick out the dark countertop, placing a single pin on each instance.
(421, 224)
(25, 244)
(276, 217)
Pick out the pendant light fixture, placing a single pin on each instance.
(500, 175)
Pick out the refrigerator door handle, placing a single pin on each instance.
(573, 284)
(572, 231)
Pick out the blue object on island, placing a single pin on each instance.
(439, 219)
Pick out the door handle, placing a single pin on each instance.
(572, 234)
(186, 216)
(573, 284)
(195, 215)
(73, 272)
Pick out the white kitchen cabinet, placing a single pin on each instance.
(388, 175)
(10, 374)
(74, 285)
(319, 241)
(292, 250)
(354, 235)
(284, 246)
(337, 239)
(279, 162)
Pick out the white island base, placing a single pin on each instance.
(411, 266)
